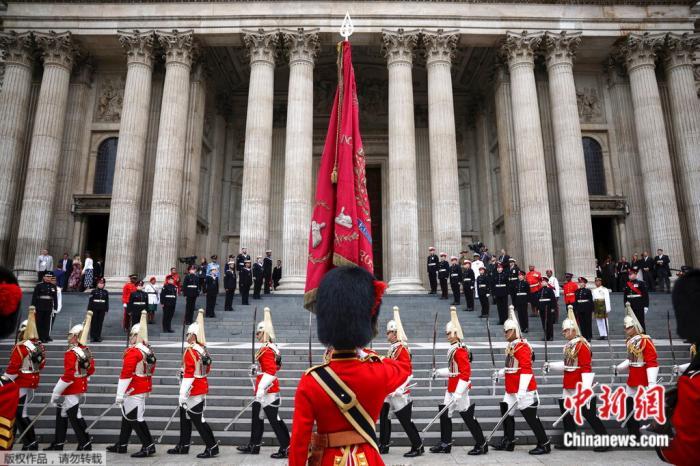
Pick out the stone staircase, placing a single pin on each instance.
(229, 337)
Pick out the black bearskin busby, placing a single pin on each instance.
(686, 296)
(347, 308)
(10, 299)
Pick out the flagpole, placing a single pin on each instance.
(347, 28)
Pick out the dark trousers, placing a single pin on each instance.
(98, 318)
(245, 290)
(455, 291)
(40, 276)
(650, 280)
(469, 297)
(433, 281)
(211, 303)
(257, 284)
(502, 306)
(585, 323)
(639, 313)
(168, 312)
(190, 303)
(485, 304)
(43, 324)
(266, 288)
(547, 318)
(228, 304)
(663, 282)
(443, 288)
(523, 316)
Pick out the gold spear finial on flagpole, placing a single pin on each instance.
(347, 28)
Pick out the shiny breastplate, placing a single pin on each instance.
(635, 350)
(512, 364)
(146, 366)
(83, 362)
(35, 356)
(571, 355)
(451, 363)
(202, 361)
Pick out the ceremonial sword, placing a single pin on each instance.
(42, 411)
(172, 416)
(670, 340)
(500, 421)
(430, 383)
(493, 359)
(445, 408)
(252, 346)
(546, 356)
(570, 410)
(240, 413)
(107, 410)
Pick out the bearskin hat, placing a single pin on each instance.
(685, 298)
(344, 308)
(10, 299)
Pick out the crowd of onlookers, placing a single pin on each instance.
(655, 271)
(72, 273)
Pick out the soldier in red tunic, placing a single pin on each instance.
(344, 395)
(133, 388)
(196, 364)
(641, 364)
(521, 389)
(267, 391)
(577, 368)
(458, 372)
(78, 366)
(10, 299)
(27, 359)
(399, 402)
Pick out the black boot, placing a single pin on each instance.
(508, 439)
(445, 445)
(543, 446)
(569, 425)
(29, 442)
(183, 446)
(279, 428)
(123, 442)
(80, 428)
(589, 413)
(256, 432)
(61, 427)
(148, 446)
(384, 429)
(404, 416)
(632, 423)
(281, 453)
(211, 445)
(480, 446)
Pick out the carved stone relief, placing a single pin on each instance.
(589, 104)
(110, 98)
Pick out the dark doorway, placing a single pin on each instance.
(96, 236)
(374, 191)
(604, 237)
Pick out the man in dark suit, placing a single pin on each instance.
(245, 279)
(649, 276)
(212, 290)
(662, 269)
(257, 277)
(267, 271)
(277, 275)
(66, 265)
(504, 258)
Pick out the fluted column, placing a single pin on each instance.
(568, 149)
(403, 191)
(444, 182)
(120, 260)
(302, 48)
(164, 230)
(508, 163)
(532, 179)
(257, 155)
(42, 169)
(639, 53)
(17, 50)
(678, 60)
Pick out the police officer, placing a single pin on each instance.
(483, 290)
(433, 262)
(443, 274)
(258, 276)
(583, 308)
(500, 292)
(99, 305)
(455, 279)
(245, 280)
(45, 300)
(267, 271)
(138, 301)
(468, 281)
(191, 291)
(229, 285)
(212, 288)
(168, 299)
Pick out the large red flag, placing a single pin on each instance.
(341, 223)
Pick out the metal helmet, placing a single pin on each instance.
(631, 319)
(265, 326)
(512, 322)
(196, 328)
(453, 326)
(570, 321)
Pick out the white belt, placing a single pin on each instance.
(500, 285)
(454, 275)
(634, 296)
(582, 301)
(432, 265)
(45, 297)
(521, 294)
(638, 364)
(191, 286)
(513, 278)
(544, 300)
(511, 370)
(170, 296)
(482, 286)
(571, 368)
(442, 270)
(467, 280)
(98, 300)
(139, 302)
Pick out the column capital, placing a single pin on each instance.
(301, 46)
(138, 46)
(398, 46)
(614, 71)
(520, 48)
(262, 46)
(680, 49)
(440, 46)
(84, 71)
(179, 46)
(638, 50)
(57, 48)
(17, 48)
(560, 48)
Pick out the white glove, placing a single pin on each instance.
(442, 372)
(253, 370)
(553, 366)
(54, 399)
(587, 380)
(124, 306)
(522, 386)
(461, 389)
(122, 385)
(545, 368)
(58, 389)
(10, 376)
(622, 367)
(185, 390)
(646, 309)
(652, 373)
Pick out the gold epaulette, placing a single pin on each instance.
(371, 358)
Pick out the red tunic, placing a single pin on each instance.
(136, 369)
(9, 399)
(518, 361)
(77, 376)
(21, 365)
(684, 447)
(576, 354)
(371, 379)
(267, 359)
(192, 367)
(126, 292)
(400, 353)
(641, 353)
(459, 364)
(534, 279)
(570, 292)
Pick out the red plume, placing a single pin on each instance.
(379, 289)
(10, 297)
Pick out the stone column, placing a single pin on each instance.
(508, 163)
(120, 260)
(58, 54)
(532, 179)
(302, 48)
(568, 148)
(257, 155)
(164, 230)
(403, 191)
(444, 180)
(678, 60)
(639, 53)
(17, 52)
